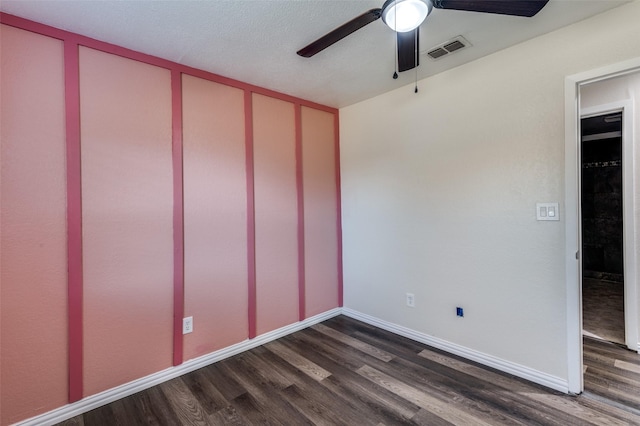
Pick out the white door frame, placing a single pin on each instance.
(572, 215)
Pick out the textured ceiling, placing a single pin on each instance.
(255, 41)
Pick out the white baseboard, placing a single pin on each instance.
(518, 370)
(94, 401)
(89, 403)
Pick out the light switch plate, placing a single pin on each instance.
(547, 211)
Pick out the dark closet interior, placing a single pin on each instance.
(602, 227)
(602, 197)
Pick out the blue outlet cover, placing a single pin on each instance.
(459, 312)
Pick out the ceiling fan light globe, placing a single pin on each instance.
(405, 15)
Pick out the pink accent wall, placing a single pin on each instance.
(127, 187)
(276, 213)
(92, 183)
(215, 218)
(33, 265)
(320, 211)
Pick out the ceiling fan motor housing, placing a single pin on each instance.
(405, 15)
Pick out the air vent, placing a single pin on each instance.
(436, 53)
(446, 48)
(453, 46)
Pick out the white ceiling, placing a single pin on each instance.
(255, 40)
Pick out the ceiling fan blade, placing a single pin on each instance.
(340, 33)
(526, 8)
(408, 48)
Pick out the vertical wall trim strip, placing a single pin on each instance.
(74, 215)
(301, 238)
(339, 208)
(251, 214)
(178, 216)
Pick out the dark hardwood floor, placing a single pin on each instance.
(612, 372)
(344, 372)
(603, 309)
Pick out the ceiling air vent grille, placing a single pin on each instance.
(447, 47)
(436, 53)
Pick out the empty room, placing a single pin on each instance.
(319, 212)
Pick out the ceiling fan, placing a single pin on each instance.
(405, 17)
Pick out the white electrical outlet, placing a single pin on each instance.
(187, 325)
(411, 300)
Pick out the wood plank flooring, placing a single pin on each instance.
(612, 372)
(603, 309)
(344, 372)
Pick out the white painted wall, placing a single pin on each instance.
(439, 191)
(623, 88)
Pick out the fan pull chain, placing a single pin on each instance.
(395, 54)
(395, 60)
(416, 58)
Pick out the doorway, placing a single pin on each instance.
(602, 266)
(600, 86)
(609, 301)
